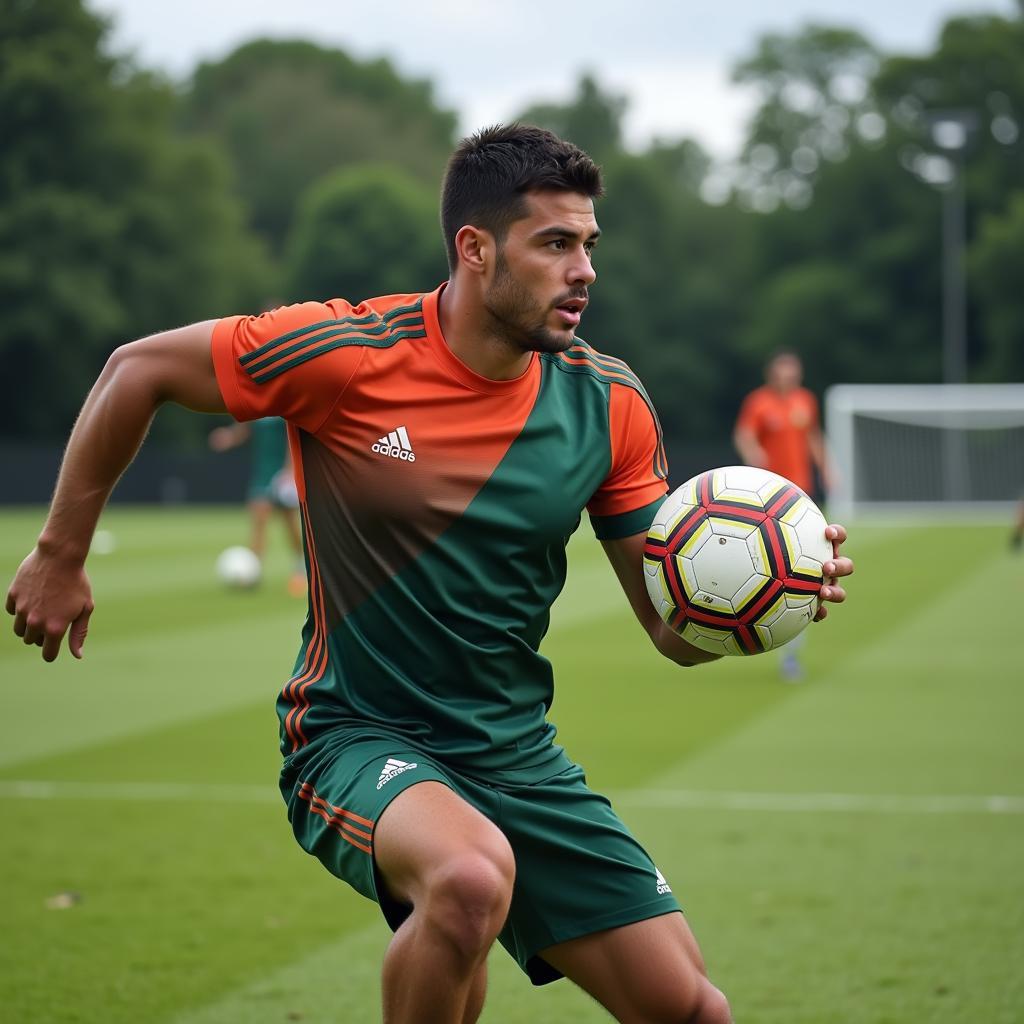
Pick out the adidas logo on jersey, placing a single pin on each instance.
(663, 886)
(396, 445)
(392, 768)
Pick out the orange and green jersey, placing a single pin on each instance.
(436, 507)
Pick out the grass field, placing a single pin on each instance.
(849, 849)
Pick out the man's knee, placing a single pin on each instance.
(466, 898)
(688, 1004)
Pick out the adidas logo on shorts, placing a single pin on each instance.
(663, 886)
(392, 768)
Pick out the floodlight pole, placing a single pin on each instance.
(956, 458)
(951, 131)
(954, 283)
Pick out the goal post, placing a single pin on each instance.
(925, 449)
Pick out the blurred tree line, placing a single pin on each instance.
(129, 204)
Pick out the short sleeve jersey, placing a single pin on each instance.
(436, 507)
(781, 424)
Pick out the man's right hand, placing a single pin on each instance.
(48, 597)
(51, 592)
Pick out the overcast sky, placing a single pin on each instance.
(489, 60)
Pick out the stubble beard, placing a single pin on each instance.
(518, 319)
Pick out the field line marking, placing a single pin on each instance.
(865, 803)
(716, 800)
(199, 792)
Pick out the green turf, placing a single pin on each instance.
(826, 838)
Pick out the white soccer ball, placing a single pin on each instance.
(238, 567)
(733, 560)
(103, 543)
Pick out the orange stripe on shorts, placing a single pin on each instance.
(338, 818)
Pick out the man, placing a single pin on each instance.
(778, 429)
(446, 445)
(271, 487)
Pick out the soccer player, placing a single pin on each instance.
(778, 429)
(446, 444)
(271, 486)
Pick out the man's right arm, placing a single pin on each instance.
(51, 591)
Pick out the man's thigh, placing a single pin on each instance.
(337, 795)
(648, 970)
(428, 836)
(579, 870)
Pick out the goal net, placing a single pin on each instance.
(925, 448)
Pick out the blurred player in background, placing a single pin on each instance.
(778, 429)
(1017, 536)
(449, 443)
(271, 487)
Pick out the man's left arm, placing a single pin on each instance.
(627, 558)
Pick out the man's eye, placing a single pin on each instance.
(557, 243)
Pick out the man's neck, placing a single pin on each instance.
(474, 338)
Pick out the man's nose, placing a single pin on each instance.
(582, 271)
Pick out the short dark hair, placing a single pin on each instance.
(490, 172)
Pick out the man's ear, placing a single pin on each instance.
(475, 249)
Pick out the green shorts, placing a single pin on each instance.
(578, 868)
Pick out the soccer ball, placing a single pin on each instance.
(733, 560)
(238, 567)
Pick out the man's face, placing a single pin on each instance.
(538, 290)
(785, 373)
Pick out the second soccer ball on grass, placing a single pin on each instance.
(734, 558)
(238, 567)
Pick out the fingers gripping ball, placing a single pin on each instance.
(733, 560)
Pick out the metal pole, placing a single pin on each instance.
(956, 467)
(954, 285)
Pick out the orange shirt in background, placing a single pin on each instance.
(781, 424)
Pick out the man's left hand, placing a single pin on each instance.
(835, 568)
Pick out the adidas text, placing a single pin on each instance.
(395, 445)
(392, 768)
(663, 886)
